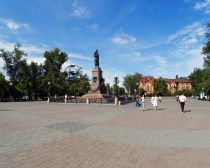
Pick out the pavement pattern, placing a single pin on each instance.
(57, 135)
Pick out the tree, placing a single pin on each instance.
(160, 87)
(16, 68)
(131, 83)
(108, 89)
(201, 77)
(77, 83)
(36, 76)
(206, 49)
(121, 91)
(54, 59)
(197, 78)
(4, 89)
(206, 52)
(116, 87)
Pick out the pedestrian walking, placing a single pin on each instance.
(138, 101)
(66, 97)
(182, 100)
(152, 98)
(142, 102)
(155, 102)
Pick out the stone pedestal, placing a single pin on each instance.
(95, 87)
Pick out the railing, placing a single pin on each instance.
(123, 100)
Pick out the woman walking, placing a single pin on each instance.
(155, 102)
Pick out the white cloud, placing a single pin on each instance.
(191, 31)
(28, 48)
(1, 64)
(6, 45)
(34, 52)
(38, 60)
(79, 56)
(79, 10)
(137, 57)
(193, 58)
(160, 60)
(109, 74)
(181, 66)
(122, 39)
(185, 49)
(189, 41)
(203, 5)
(93, 27)
(14, 25)
(188, 37)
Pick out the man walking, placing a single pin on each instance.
(182, 100)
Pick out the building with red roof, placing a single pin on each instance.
(173, 85)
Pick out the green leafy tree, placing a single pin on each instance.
(121, 91)
(160, 87)
(17, 70)
(54, 59)
(131, 83)
(116, 87)
(108, 89)
(36, 76)
(206, 49)
(77, 83)
(206, 52)
(4, 89)
(103, 86)
(197, 78)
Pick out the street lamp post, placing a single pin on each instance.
(71, 73)
(137, 85)
(116, 81)
(48, 100)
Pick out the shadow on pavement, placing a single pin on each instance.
(162, 109)
(187, 111)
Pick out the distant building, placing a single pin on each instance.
(173, 85)
(147, 83)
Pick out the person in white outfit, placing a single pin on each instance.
(155, 102)
(152, 98)
(66, 97)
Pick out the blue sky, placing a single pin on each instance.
(158, 38)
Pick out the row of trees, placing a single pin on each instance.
(33, 81)
(38, 81)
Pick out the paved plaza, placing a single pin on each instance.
(57, 135)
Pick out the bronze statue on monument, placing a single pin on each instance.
(96, 58)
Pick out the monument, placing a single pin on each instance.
(97, 80)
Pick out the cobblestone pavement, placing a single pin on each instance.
(41, 135)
